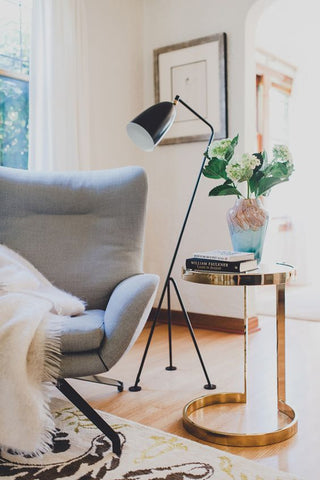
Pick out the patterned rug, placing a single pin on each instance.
(81, 452)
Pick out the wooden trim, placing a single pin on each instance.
(208, 322)
(14, 75)
(275, 76)
(283, 88)
(275, 58)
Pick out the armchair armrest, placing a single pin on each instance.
(126, 314)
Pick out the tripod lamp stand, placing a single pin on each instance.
(146, 131)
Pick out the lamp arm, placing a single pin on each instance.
(178, 99)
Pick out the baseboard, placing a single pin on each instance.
(209, 322)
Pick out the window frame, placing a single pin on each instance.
(271, 72)
(16, 76)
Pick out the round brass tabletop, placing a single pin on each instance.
(274, 274)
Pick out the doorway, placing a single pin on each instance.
(288, 101)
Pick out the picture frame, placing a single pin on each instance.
(196, 71)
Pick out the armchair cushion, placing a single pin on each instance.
(82, 333)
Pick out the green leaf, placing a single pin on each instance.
(255, 180)
(209, 172)
(267, 183)
(230, 151)
(215, 168)
(279, 169)
(225, 189)
(234, 141)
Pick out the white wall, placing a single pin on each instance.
(123, 34)
(172, 170)
(115, 30)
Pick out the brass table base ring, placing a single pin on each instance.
(236, 439)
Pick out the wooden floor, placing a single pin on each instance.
(164, 393)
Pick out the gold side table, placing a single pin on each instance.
(278, 275)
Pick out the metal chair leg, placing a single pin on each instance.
(90, 413)
(103, 380)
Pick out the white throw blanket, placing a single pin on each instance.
(30, 318)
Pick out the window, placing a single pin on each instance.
(274, 80)
(274, 84)
(15, 21)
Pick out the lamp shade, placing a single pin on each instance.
(148, 128)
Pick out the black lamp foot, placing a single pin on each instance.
(210, 386)
(171, 367)
(135, 388)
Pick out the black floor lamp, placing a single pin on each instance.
(146, 131)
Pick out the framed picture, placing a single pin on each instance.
(197, 72)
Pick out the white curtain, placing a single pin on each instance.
(59, 87)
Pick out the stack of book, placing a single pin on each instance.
(222, 261)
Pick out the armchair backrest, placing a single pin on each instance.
(82, 230)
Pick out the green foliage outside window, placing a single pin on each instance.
(14, 120)
(14, 86)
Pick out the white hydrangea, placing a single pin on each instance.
(241, 170)
(281, 153)
(250, 161)
(219, 149)
(234, 171)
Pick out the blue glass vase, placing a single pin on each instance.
(247, 222)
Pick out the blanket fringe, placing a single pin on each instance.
(52, 350)
(52, 362)
(51, 372)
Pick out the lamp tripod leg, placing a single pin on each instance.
(170, 367)
(208, 385)
(136, 387)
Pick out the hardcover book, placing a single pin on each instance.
(220, 266)
(225, 255)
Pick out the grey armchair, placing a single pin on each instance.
(84, 232)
